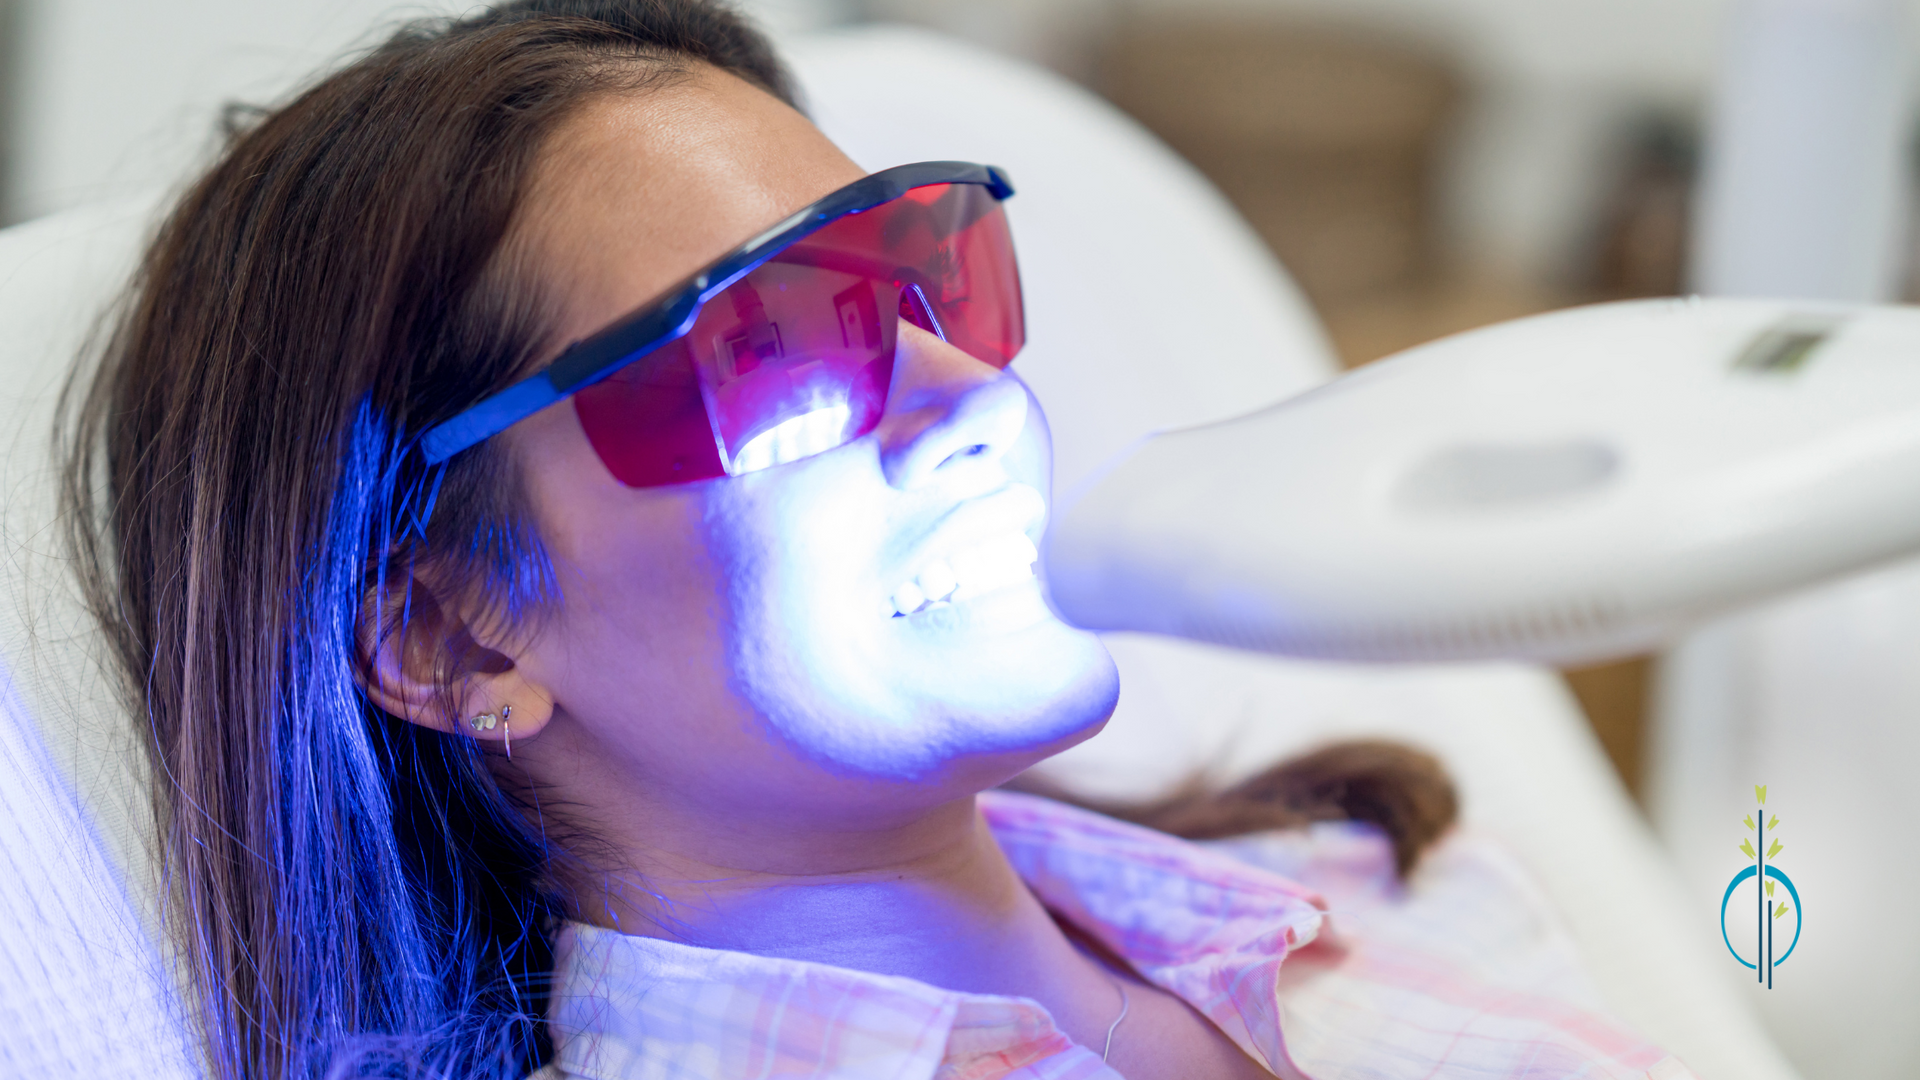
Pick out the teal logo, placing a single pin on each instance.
(1769, 908)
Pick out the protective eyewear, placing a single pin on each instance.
(783, 348)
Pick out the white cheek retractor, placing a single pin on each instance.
(1562, 488)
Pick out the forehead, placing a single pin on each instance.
(637, 190)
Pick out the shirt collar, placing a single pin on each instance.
(1197, 923)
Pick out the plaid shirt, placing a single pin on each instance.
(1460, 974)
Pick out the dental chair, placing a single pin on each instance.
(1151, 306)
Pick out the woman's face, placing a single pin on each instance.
(737, 641)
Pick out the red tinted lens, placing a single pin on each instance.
(948, 245)
(795, 358)
(788, 362)
(966, 269)
(648, 421)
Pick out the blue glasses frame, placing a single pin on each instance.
(672, 315)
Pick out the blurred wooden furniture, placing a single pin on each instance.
(1324, 138)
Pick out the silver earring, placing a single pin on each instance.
(506, 714)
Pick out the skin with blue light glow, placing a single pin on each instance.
(767, 756)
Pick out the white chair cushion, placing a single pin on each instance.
(83, 991)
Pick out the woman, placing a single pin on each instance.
(542, 676)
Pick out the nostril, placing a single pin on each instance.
(951, 421)
(976, 450)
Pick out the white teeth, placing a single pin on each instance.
(907, 599)
(992, 564)
(937, 580)
(1000, 562)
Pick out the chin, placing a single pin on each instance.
(1001, 720)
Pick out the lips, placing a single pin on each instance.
(979, 547)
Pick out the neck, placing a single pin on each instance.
(931, 897)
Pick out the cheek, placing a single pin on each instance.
(639, 631)
(795, 549)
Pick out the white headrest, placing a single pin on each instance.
(82, 989)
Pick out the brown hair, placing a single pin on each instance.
(1403, 792)
(353, 892)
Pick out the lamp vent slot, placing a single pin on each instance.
(1785, 347)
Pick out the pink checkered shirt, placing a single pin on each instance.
(1460, 974)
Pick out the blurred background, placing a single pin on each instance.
(1421, 167)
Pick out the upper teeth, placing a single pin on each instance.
(991, 564)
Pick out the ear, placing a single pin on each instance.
(422, 663)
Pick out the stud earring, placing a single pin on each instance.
(484, 722)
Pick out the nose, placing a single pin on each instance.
(945, 408)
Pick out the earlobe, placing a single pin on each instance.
(521, 714)
(421, 663)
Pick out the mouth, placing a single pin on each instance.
(990, 565)
(981, 547)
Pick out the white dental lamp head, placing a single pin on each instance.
(1564, 488)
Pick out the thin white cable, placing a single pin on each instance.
(1125, 1004)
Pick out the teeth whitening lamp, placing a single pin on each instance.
(1563, 488)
